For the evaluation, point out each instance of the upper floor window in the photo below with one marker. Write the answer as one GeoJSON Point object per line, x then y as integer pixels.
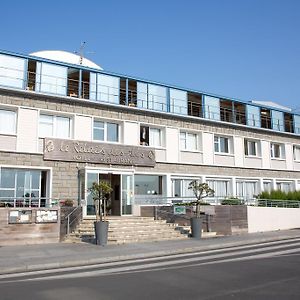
{"type": "Point", "coordinates": [277, 150]}
{"type": "Point", "coordinates": [105, 131]}
{"type": "Point", "coordinates": [12, 71]}
{"type": "Point", "coordinates": [222, 144]}
{"type": "Point", "coordinates": [55, 126]}
{"type": "Point", "coordinates": [188, 141]}
{"type": "Point", "coordinates": [150, 136]}
{"type": "Point", "coordinates": [296, 150]}
{"type": "Point", "coordinates": [251, 148]}
{"type": "Point", "coordinates": [7, 121]}
{"type": "Point", "coordinates": [51, 79]}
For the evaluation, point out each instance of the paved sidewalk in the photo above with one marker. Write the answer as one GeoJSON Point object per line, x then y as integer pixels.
{"type": "Point", "coordinates": [49, 256]}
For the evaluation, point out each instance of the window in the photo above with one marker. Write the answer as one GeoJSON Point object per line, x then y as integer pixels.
{"type": "Point", "coordinates": [7, 122]}
{"type": "Point", "coordinates": [222, 144]}
{"type": "Point", "coordinates": [55, 126]}
{"type": "Point", "coordinates": [106, 131]}
{"type": "Point", "coordinates": [51, 79]}
{"type": "Point", "coordinates": [181, 188]}
{"type": "Point", "coordinates": [221, 187]}
{"type": "Point", "coordinates": [285, 186]}
{"type": "Point", "coordinates": [277, 151]}
{"type": "Point", "coordinates": [267, 185]}
{"type": "Point", "coordinates": [253, 116]}
{"type": "Point", "coordinates": [246, 189]}
{"type": "Point", "coordinates": [251, 148]}
{"type": "Point", "coordinates": [22, 183]}
{"type": "Point", "coordinates": [104, 88]}
{"type": "Point", "coordinates": [188, 141]}
{"type": "Point", "coordinates": [150, 136]}
{"type": "Point", "coordinates": [178, 101]}
{"type": "Point", "coordinates": [277, 120]}
{"type": "Point", "coordinates": [212, 108]}
{"type": "Point", "coordinates": [147, 185]}
{"type": "Point", "coordinates": [296, 150]}
{"type": "Point", "coordinates": [12, 71]}
{"type": "Point", "coordinates": [151, 96]}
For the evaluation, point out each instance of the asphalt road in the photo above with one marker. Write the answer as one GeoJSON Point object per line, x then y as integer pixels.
{"type": "Point", "coordinates": [262, 271]}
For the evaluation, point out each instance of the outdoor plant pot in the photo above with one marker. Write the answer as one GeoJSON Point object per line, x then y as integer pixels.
{"type": "Point", "coordinates": [101, 232]}
{"type": "Point", "coordinates": [196, 227]}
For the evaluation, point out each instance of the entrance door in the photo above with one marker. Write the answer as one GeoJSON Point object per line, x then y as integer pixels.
{"type": "Point", "coordinates": [127, 194]}
{"type": "Point", "coordinates": [121, 198]}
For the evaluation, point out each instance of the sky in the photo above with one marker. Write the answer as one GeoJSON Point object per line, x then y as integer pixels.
{"type": "Point", "coordinates": [242, 49]}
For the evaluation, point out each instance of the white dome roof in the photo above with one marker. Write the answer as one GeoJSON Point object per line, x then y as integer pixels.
{"type": "Point", "coordinates": [66, 57]}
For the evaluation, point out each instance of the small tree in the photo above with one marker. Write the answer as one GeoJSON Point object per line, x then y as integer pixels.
{"type": "Point", "coordinates": [201, 191]}
{"type": "Point", "coordinates": [99, 193]}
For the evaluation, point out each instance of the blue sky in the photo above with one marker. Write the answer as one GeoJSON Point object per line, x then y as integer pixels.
{"type": "Point", "coordinates": [244, 49]}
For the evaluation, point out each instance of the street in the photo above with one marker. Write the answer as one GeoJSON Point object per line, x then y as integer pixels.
{"type": "Point", "coordinates": [269, 270]}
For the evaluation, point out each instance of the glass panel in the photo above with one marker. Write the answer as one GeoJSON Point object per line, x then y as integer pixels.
{"type": "Point", "coordinates": [191, 141]}
{"type": "Point", "coordinates": [93, 86]}
{"type": "Point", "coordinates": [98, 131]}
{"type": "Point", "coordinates": [108, 88]}
{"type": "Point", "coordinates": [157, 97]}
{"type": "Point", "coordinates": [155, 137]}
{"type": "Point", "coordinates": [12, 71]}
{"type": "Point", "coordinates": [177, 188]}
{"type": "Point", "coordinates": [112, 132]}
{"type": "Point", "coordinates": [90, 208]}
{"type": "Point", "coordinates": [7, 178]}
{"type": "Point", "coordinates": [62, 127]}
{"type": "Point", "coordinates": [277, 120]}
{"type": "Point", "coordinates": [46, 125]}
{"type": "Point", "coordinates": [142, 95]}
{"type": "Point", "coordinates": [212, 108]}
{"type": "Point", "coordinates": [253, 116]}
{"type": "Point", "coordinates": [51, 79]}
{"type": "Point", "coordinates": [127, 194]}
{"type": "Point", "coordinates": [21, 184]}
{"type": "Point", "coordinates": [147, 185]}
{"type": "Point", "coordinates": [7, 122]}
{"type": "Point", "coordinates": [297, 124]}
{"type": "Point", "coordinates": [183, 140]}
{"type": "Point", "coordinates": [178, 102]}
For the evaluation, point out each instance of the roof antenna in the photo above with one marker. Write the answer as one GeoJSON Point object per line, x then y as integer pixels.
{"type": "Point", "coordinates": [80, 52]}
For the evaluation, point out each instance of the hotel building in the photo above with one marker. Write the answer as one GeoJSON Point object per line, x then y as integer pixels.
{"type": "Point", "coordinates": [65, 123]}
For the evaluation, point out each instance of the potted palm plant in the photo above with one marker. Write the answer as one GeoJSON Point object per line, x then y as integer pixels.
{"type": "Point", "coordinates": [201, 191]}
{"type": "Point", "coordinates": [100, 193]}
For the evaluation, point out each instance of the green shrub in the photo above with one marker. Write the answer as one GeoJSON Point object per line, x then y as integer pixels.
{"type": "Point", "coordinates": [280, 195]}
{"type": "Point", "coordinates": [232, 201]}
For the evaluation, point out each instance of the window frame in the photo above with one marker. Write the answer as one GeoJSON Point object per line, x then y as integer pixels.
{"type": "Point", "coordinates": [247, 148]}
{"type": "Point", "coordinates": [218, 144]}
{"type": "Point", "coordinates": [186, 135]}
{"type": "Point", "coordinates": [273, 151]}
{"type": "Point", "coordinates": [54, 126]}
{"type": "Point", "coordinates": [105, 129]}
{"type": "Point", "coordinates": [148, 130]}
{"type": "Point", "coordinates": [15, 115]}
{"type": "Point", "coordinates": [296, 157]}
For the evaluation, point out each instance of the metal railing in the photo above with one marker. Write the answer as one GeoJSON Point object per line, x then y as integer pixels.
{"type": "Point", "coordinates": [68, 86]}
{"type": "Point", "coordinates": [28, 202]}
{"type": "Point", "coordinates": [73, 218]}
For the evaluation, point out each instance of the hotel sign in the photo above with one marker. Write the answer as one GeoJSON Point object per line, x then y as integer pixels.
{"type": "Point", "coordinates": [101, 153]}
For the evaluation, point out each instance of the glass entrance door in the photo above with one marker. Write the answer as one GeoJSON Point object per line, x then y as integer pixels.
{"type": "Point", "coordinates": [127, 194]}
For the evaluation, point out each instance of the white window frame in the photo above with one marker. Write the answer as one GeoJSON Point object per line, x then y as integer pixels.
{"type": "Point", "coordinates": [105, 123]}
{"type": "Point", "coordinates": [296, 152]}
{"type": "Point", "coordinates": [14, 131]}
{"type": "Point", "coordinates": [183, 136]}
{"type": "Point", "coordinates": [273, 151]}
{"type": "Point", "coordinates": [218, 143]}
{"type": "Point", "coordinates": [54, 126]}
{"type": "Point", "coordinates": [247, 150]}
{"type": "Point", "coordinates": [151, 129]}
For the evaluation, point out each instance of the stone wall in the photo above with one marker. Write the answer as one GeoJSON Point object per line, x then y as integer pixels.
{"type": "Point", "coordinates": [31, 233]}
